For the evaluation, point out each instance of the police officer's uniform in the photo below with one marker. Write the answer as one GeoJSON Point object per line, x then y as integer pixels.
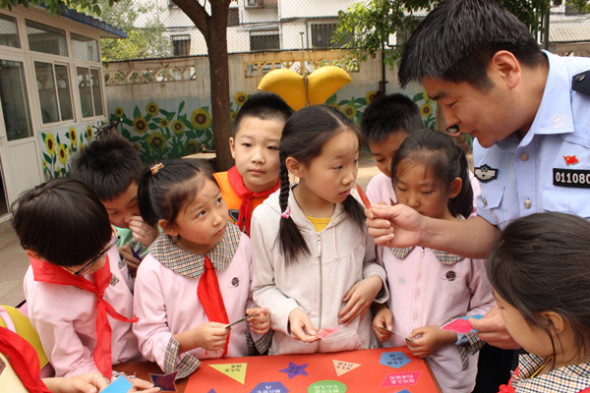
{"type": "Point", "coordinates": [549, 169]}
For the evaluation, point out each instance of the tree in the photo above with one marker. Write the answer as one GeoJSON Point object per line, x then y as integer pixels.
{"type": "Point", "coordinates": [366, 26]}
{"type": "Point", "coordinates": [56, 6]}
{"type": "Point", "coordinates": [145, 42]}
{"type": "Point", "coordinates": [212, 23]}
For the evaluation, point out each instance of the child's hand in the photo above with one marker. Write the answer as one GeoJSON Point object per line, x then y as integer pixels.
{"type": "Point", "coordinates": [383, 320]}
{"type": "Point", "coordinates": [259, 319]}
{"type": "Point", "coordinates": [301, 327]}
{"type": "Point", "coordinates": [127, 255]}
{"type": "Point", "coordinates": [359, 298]}
{"type": "Point", "coordinates": [140, 385]}
{"type": "Point", "coordinates": [432, 338]}
{"type": "Point", "coordinates": [382, 218]}
{"type": "Point", "coordinates": [86, 383]}
{"type": "Point", "coordinates": [142, 232]}
{"type": "Point", "coordinates": [210, 336]}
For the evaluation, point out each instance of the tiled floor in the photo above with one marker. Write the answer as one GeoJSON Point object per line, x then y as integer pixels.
{"type": "Point", "coordinates": [14, 262]}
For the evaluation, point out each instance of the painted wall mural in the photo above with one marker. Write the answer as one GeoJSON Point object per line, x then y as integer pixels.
{"type": "Point", "coordinates": [159, 133]}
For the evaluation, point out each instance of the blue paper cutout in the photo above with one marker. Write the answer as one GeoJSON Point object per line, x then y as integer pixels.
{"type": "Point", "coordinates": [212, 391]}
{"type": "Point", "coordinates": [404, 391]}
{"type": "Point", "coordinates": [394, 359]}
{"type": "Point", "coordinates": [295, 369]}
{"type": "Point", "coordinates": [269, 387]}
{"type": "Point", "coordinates": [119, 385]}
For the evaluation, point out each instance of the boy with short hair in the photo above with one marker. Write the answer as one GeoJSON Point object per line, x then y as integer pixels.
{"type": "Point", "coordinates": [385, 123]}
{"type": "Point", "coordinates": [255, 148]}
{"type": "Point", "coordinates": [74, 283]}
{"type": "Point", "coordinates": [111, 167]}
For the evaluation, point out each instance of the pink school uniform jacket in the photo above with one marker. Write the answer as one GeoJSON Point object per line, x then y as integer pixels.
{"type": "Point", "coordinates": [65, 318]}
{"type": "Point", "coordinates": [430, 288]}
{"type": "Point", "coordinates": [166, 300]}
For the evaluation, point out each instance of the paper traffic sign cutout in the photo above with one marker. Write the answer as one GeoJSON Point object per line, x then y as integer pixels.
{"type": "Point", "coordinates": [295, 369]}
{"type": "Point", "coordinates": [401, 379]}
{"type": "Point", "coordinates": [327, 386]}
{"type": "Point", "coordinates": [461, 324]}
{"type": "Point", "coordinates": [236, 371]}
{"type": "Point", "coordinates": [343, 367]}
{"type": "Point", "coordinates": [394, 359]}
{"type": "Point", "coordinates": [119, 385]}
{"type": "Point", "coordinates": [166, 382]}
{"type": "Point", "coordinates": [270, 387]}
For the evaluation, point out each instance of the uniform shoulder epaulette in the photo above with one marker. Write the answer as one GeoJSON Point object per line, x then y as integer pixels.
{"type": "Point", "coordinates": [581, 82]}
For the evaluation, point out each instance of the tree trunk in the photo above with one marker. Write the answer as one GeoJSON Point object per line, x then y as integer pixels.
{"type": "Point", "coordinates": [214, 28]}
{"type": "Point", "coordinates": [219, 74]}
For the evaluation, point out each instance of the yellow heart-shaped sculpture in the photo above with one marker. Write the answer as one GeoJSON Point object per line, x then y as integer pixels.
{"type": "Point", "coordinates": [291, 86]}
{"type": "Point", "coordinates": [286, 83]}
{"type": "Point", "coordinates": [324, 82]}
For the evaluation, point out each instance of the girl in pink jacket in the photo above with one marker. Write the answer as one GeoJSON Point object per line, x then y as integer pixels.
{"type": "Point", "coordinates": [429, 287]}
{"type": "Point", "coordinates": [195, 281]}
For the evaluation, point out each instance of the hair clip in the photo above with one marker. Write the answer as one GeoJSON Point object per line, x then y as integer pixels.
{"type": "Point", "coordinates": [154, 169]}
{"type": "Point", "coordinates": [287, 213]}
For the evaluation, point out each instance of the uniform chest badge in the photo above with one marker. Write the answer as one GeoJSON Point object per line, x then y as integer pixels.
{"type": "Point", "coordinates": [571, 160]}
{"type": "Point", "coordinates": [485, 173]}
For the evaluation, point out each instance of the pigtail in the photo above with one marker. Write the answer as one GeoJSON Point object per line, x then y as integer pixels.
{"type": "Point", "coordinates": [143, 198]}
{"type": "Point", "coordinates": [463, 202]}
{"type": "Point", "coordinates": [355, 211]}
{"type": "Point", "coordinates": [290, 239]}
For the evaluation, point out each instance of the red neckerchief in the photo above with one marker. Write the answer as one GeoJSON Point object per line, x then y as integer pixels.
{"type": "Point", "coordinates": [53, 274]}
{"type": "Point", "coordinates": [210, 297]}
{"type": "Point", "coordinates": [23, 359]}
{"type": "Point", "coordinates": [237, 183]}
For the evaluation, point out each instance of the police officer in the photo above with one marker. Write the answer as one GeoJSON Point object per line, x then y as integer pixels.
{"type": "Point", "coordinates": [529, 112]}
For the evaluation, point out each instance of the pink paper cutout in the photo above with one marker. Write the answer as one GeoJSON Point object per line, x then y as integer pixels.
{"type": "Point", "coordinates": [401, 379]}
{"type": "Point", "coordinates": [325, 332]}
{"type": "Point", "coordinates": [458, 325]}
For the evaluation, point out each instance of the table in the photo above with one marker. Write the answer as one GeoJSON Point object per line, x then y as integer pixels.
{"type": "Point", "coordinates": [381, 370]}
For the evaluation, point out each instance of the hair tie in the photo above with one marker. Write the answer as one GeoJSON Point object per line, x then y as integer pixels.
{"type": "Point", "coordinates": [154, 169]}
{"type": "Point", "coordinates": [287, 213]}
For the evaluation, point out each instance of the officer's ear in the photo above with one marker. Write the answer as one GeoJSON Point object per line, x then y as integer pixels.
{"type": "Point", "coordinates": [505, 68]}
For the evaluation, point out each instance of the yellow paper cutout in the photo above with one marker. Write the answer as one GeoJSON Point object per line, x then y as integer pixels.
{"type": "Point", "coordinates": [343, 367]}
{"type": "Point", "coordinates": [236, 371]}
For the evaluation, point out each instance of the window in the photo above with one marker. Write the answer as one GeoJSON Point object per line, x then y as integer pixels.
{"type": "Point", "coordinates": [321, 35]}
{"type": "Point", "coordinates": [233, 17]}
{"type": "Point", "coordinates": [90, 91]}
{"type": "Point", "coordinates": [55, 98]}
{"type": "Point", "coordinates": [15, 104]}
{"type": "Point", "coordinates": [46, 39]}
{"type": "Point", "coordinates": [8, 32]}
{"type": "Point", "coordinates": [264, 41]}
{"type": "Point", "coordinates": [84, 47]}
{"type": "Point", "coordinates": [181, 44]}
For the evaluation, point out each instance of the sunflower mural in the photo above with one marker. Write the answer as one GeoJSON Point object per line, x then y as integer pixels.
{"type": "Point", "coordinates": [352, 108]}
{"type": "Point", "coordinates": [59, 147]}
{"type": "Point", "coordinates": [159, 133]}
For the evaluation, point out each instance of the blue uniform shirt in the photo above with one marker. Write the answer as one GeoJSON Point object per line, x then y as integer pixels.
{"type": "Point", "coordinates": [549, 169]}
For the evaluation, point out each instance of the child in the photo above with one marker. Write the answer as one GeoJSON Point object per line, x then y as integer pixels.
{"type": "Point", "coordinates": [310, 247]}
{"type": "Point", "coordinates": [255, 148]}
{"type": "Point", "coordinates": [430, 287]}
{"type": "Point", "coordinates": [385, 124]}
{"type": "Point", "coordinates": [111, 168]}
{"type": "Point", "coordinates": [539, 272]}
{"type": "Point", "coordinates": [74, 282]}
{"type": "Point", "coordinates": [196, 278]}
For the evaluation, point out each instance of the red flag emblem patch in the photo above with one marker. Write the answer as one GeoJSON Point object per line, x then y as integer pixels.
{"type": "Point", "coordinates": [571, 160]}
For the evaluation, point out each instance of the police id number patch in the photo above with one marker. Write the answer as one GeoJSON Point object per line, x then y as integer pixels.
{"type": "Point", "coordinates": [578, 178]}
